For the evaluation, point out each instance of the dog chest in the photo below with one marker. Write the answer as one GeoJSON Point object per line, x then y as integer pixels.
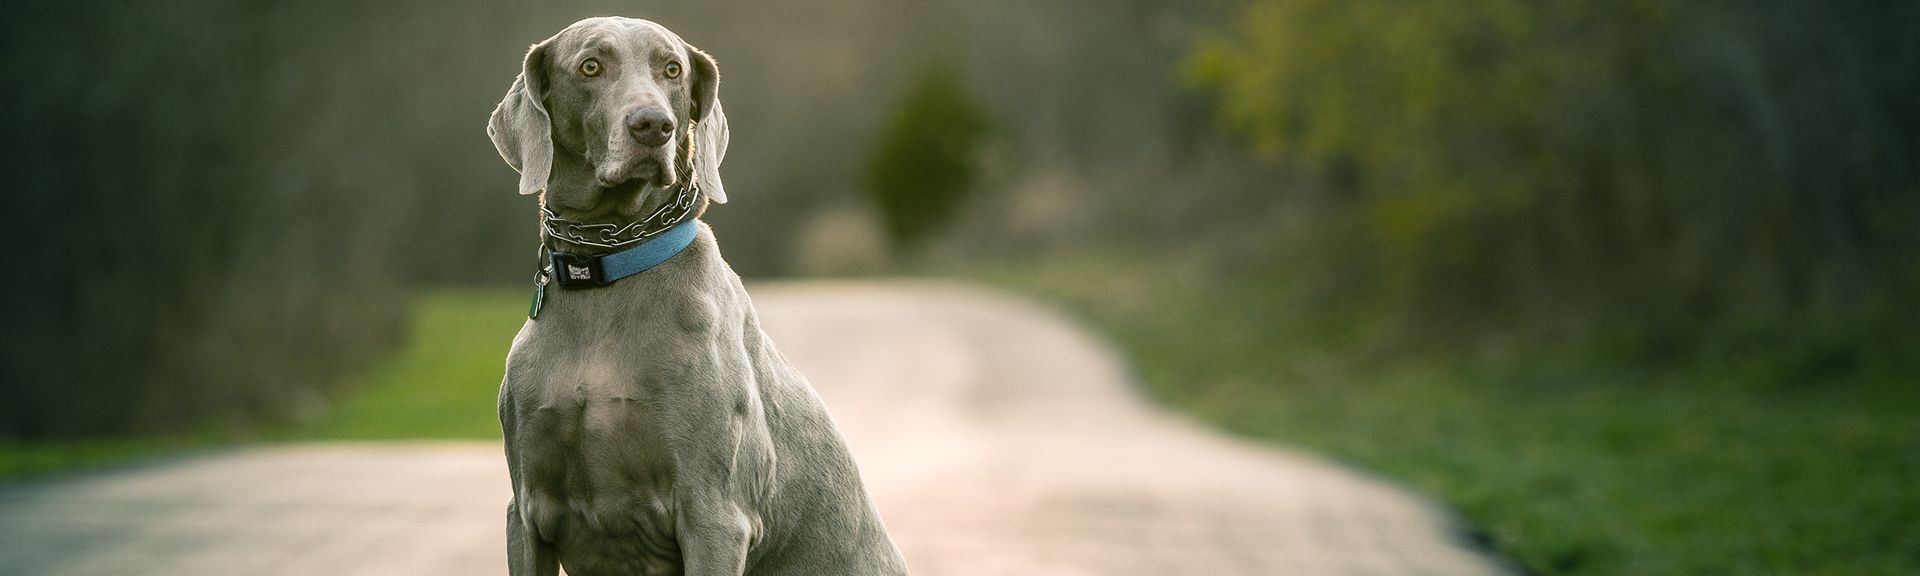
{"type": "Point", "coordinates": [596, 471]}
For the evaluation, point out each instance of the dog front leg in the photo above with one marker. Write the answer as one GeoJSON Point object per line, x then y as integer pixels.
{"type": "Point", "coordinates": [713, 541]}
{"type": "Point", "coordinates": [527, 555]}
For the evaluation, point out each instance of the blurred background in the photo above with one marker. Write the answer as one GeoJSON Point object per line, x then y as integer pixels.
{"type": "Point", "coordinates": [1634, 285]}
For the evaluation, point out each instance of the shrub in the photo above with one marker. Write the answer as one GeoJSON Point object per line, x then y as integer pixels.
{"type": "Point", "coordinates": [925, 162]}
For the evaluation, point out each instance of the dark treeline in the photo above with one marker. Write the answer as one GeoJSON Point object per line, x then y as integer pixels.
{"type": "Point", "coordinates": [201, 208]}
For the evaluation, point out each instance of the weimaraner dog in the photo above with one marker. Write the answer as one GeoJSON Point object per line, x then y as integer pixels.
{"type": "Point", "coordinates": [651, 427]}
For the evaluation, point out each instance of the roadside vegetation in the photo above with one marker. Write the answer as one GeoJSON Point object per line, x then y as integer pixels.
{"type": "Point", "coordinates": [1568, 466]}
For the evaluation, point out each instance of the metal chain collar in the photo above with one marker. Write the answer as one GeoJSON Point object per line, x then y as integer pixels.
{"type": "Point", "coordinates": [617, 235]}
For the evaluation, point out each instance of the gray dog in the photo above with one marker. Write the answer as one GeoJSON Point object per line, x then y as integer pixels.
{"type": "Point", "coordinates": [651, 427]}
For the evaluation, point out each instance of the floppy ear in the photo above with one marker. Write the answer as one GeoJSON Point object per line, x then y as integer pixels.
{"type": "Point", "coordinates": [520, 127]}
{"type": "Point", "coordinates": [710, 138]}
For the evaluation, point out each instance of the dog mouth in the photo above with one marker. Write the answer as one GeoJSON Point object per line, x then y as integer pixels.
{"type": "Point", "coordinates": [625, 190]}
{"type": "Point", "coordinates": [650, 169]}
{"type": "Point", "coordinates": [647, 172]}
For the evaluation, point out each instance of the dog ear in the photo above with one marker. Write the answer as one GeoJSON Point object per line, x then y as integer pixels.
{"type": "Point", "coordinates": [520, 127]}
{"type": "Point", "coordinates": [710, 138]}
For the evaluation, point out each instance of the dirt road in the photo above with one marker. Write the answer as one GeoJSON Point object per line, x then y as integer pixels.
{"type": "Point", "coordinates": [997, 438]}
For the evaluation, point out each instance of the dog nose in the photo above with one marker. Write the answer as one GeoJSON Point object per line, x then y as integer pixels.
{"type": "Point", "coordinates": [650, 125]}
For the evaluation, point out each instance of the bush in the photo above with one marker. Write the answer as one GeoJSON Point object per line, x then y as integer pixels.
{"type": "Point", "coordinates": [925, 162]}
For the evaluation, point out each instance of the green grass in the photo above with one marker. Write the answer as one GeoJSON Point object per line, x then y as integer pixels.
{"type": "Point", "coordinates": [443, 383]}
{"type": "Point", "coordinates": [1569, 471]}
{"type": "Point", "coordinates": [21, 459]}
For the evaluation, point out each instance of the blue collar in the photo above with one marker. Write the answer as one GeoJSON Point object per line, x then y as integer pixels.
{"type": "Point", "coordinates": [575, 271]}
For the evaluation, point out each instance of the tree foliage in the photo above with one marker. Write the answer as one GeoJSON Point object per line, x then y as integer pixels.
{"type": "Point", "coordinates": [1664, 179]}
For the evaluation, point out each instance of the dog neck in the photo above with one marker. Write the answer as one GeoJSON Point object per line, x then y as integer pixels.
{"type": "Point", "coordinates": [617, 217]}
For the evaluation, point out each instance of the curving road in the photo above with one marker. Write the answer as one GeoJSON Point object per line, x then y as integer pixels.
{"type": "Point", "coordinates": [997, 438]}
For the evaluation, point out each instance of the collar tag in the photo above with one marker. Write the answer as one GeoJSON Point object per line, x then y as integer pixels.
{"type": "Point", "coordinates": [539, 297]}
{"type": "Point", "coordinates": [540, 280]}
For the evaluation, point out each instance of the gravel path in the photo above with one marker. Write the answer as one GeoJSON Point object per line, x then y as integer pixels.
{"type": "Point", "coordinates": [996, 436]}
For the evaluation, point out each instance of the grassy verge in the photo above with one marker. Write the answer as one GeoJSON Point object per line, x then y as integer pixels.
{"type": "Point", "coordinates": [1605, 472]}
{"type": "Point", "coordinates": [22, 459]}
{"type": "Point", "coordinates": [444, 382]}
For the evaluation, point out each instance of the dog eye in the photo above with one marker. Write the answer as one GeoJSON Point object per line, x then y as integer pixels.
{"type": "Point", "coordinates": [673, 70]}
{"type": "Point", "coordinates": [590, 67]}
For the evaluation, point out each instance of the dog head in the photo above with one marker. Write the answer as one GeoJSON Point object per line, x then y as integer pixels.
{"type": "Point", "coordinates": [624, 102]}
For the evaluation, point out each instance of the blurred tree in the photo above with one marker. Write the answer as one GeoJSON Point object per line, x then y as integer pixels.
{"type": "Point", "coordinates": [1691, 180]}
{"type": "Point", "coordinates": [925, 161]}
